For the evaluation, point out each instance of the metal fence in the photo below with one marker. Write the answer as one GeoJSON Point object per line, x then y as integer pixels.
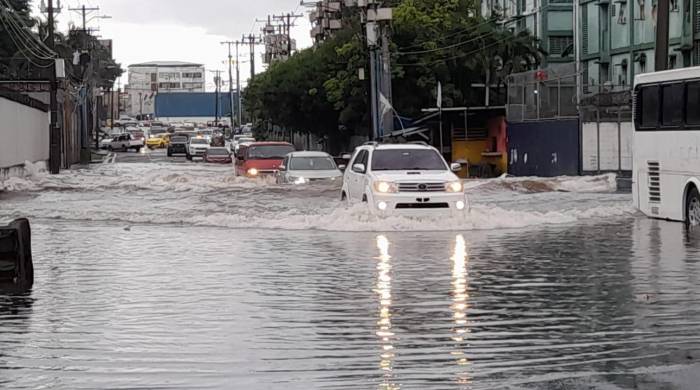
{"type": "Point", "coordinates": [548, 93]}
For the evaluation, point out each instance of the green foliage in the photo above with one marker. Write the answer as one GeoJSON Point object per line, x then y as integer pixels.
{"type": "Point", "coordinates": [318, 90]}
{"type": "Point", "coordinates": [103, 70]}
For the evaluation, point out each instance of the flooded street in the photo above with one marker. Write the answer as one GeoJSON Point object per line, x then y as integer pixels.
{"type": "Point", "coordinates": [162, 275]}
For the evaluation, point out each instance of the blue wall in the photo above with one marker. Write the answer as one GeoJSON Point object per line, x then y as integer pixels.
{"type": "Point", "coordinates": [192, 104]}
{"type": "Point", "coordinates": [544, 148]}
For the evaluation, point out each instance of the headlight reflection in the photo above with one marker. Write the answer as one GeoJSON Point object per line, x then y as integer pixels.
{"type": "Point", "coordinates": [460, 305]}
{"type": "Point", "coordinates": [384, 333]}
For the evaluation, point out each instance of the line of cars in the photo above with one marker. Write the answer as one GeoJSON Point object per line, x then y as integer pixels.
{"type": "Point", "coordinates": [411, 179]}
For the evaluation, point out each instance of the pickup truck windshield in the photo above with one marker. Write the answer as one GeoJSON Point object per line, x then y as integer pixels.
{"type": "Point", "coordinates": [199, 141]}
{"type": "Point", "coordinates": [269, 152]}
{"type": "Point", "coordinates": [179, 140]}
{"type": "Point", "coordinates": [407, 160]}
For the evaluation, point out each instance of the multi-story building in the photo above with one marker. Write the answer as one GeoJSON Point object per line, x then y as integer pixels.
{"type": "Point", "coordinates": [551, 21]}
{"type": "Point", "coordinates": [146, 80]}
{"type": "Point", "coordinates": [617, 40]}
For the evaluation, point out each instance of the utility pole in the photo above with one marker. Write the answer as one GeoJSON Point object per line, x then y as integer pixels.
{"type": "Point", "coordinates": [661, 51]}
{"type": "Point", "coordinates": [252, 40]}
{"type": "Point", "coordinates": [85, 11]}
{"type": "Point", "coordinates": [54, 133]}
{"type": "Point", "coordinates": [286, 29]}
{"type": "Point", "coordinates": [376, 24]}
{"type": "Point", "coordinates": [230, 78]}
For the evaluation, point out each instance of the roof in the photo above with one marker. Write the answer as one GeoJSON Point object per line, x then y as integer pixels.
{"type": "Point", "coordinates": [166, 64]}
{"type": "Point", "coordinates": [263, 143]}
{"type": "Point", "coordinates": [398, 146]}
{"type": "Point", "coordinates": [309, 154]}
{"type": "Point", "coordinates": [668, 75]}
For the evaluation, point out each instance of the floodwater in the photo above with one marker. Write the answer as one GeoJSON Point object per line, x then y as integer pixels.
{"type": "Point", "coordinates": [158, 276]}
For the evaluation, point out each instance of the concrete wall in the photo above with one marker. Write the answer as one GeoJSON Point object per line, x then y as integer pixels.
{"type": "Point", "coordinates": [614, 143]}
{"type": "Point", "coordinates": [24, 134]}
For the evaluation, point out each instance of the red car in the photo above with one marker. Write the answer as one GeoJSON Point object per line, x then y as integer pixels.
{"type": "Point", "coordinates": [262, 158]}
{"type": "Point", "coordinates": [218, 156]}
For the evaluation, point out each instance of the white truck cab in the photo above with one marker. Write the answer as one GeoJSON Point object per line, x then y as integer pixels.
{"type": "Point", "coordinates": [408, 179]}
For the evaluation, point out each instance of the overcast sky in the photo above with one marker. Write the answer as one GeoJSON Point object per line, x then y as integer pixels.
{"type": "Point", "coordinates": [184, 30]}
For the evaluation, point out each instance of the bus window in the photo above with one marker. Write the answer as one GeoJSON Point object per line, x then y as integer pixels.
{"type": "Point", "coordinates": [650, 106]}
{"type": "Point", "coordinates": [692, 104]}
{"type": "Point", "coordinates": [672, 109]}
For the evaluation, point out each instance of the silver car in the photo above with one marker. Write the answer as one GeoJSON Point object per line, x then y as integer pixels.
{"type": "Point", "coordinates": [308, 167]}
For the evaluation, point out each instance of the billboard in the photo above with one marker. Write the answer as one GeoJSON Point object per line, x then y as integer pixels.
{"type": "Point", "coordinates": [188, 104]}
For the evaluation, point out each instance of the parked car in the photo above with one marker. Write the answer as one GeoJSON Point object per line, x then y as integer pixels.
{"type": "Point", "coordinates": [178, 145]}
{"type": "Point", "coordinates": [262, 158]}
{"type": "Point", "coordinates": [158, 141]}
{"type": "Point", "coordinates": [197, 147]}
{"type": "Point", "coordinates": [403, 178]}
{"type": "Point", "coordinates": [217, 155]}
{"type": "Point", "coordinates": [308, 167]}
{"type": "Point", "coordinates": [125, 142]}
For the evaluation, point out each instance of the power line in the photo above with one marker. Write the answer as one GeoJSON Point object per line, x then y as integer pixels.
{"type": "Point", "coordinates": [462, 31]}
{"type": "Point", "coordinates": [20, 35]}
{"type": "Point", "coordinates": [456, 56]}
{"type": "Point", "coordinates": [455, 45]}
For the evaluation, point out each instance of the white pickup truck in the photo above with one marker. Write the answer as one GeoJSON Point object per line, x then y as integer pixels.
{"type": "Point", "coordinates": [125, 142]}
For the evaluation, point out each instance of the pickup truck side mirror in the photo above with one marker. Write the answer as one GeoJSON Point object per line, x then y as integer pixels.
{"type": "Point", "coordinates": [342, 167]}
{"type": "Point", "coordinates": [281, 167]}
{"type": "Point", "coordinates": [456, 167]}
{"type": "Point", "coordinates": [359, 168]}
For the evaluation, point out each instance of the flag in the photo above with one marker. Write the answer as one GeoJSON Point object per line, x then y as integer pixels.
{"type": "Point", "coordinates": [385, 104]}
{"type": "Point", "coordinates": [439, 95]}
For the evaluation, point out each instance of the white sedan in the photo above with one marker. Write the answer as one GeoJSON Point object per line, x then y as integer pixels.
{"type": "Point", "coordinates": [308, 167]}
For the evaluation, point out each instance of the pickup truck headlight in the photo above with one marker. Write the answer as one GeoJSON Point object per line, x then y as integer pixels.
{"type": "Point", "coordinates": [297, 180]}
{"type": "Point", "coordinates": [454, 186]}
{"type": "Point", "coordinates": [385, 187]}
{"type": "Point", "coordinates": [252, 172]}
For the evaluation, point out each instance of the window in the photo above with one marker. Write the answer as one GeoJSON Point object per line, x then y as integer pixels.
{"type": "Point", "coordinates": [612, 10]}
{"type": "Point", "coordinates": [154, 77]}
{"type": "Point", "coordinates": [311, 164]}
{"type": "Point", "coordinates": [557, 45]}
{"type": "Point", "coordinates": [650, 106]}
{"type": "Point", "coordinates": [407, 160]}
{"type": "Point", "coordinates": [169, 85]}
{"type": "Point", "coordinates": [692, 103]}
{"type": "Point", "coordinates": [672, 105]}
{"type": "Point", "coordinates": [192, 75]}
{"type": "Point", "coordinates": [362, 159]}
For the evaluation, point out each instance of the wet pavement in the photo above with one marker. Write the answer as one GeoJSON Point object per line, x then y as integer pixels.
{"type": "Point", "coordinates": [163, 275]}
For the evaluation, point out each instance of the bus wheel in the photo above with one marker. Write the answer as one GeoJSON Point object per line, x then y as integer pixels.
{"type": "Point", "coordinates": [692, 208]}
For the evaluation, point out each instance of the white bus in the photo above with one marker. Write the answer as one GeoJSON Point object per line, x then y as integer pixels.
{"type": "Point", "coordinates": [666, 172]}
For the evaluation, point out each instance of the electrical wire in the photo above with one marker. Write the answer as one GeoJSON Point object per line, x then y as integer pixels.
{"type": "Point", "coordinates": [23, 30]}
{"type": "Point", "coordinates": [23, 50]}
{"type": "Point", "coordinates": [455, 57]}
{"type": "Point", "coordinates": [455, 45]}
{"type": "Point", "coordinates": [464, 30]}
{"type": "Point", "coordinates": [29, 41]}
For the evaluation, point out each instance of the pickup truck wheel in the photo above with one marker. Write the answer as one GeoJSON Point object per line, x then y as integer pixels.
{"type": "Point", "coordinates": [138, 149]}
{"type": "Point", "coordinates": [364, 198]}
{"type": "Point", "coordinates": [170, 154]}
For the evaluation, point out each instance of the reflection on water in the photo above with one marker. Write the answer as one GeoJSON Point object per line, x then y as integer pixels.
{"type": "Point", "coordinates": [384, 332]}
{"type": "Point", "coordinates": [612, 306]}
{"type": "Point", "coordinates": [460, 298]}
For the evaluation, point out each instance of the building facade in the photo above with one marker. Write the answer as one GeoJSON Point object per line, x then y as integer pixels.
{"type": "Point", "coordinates": [551, 21]}
{"type": "Point", "coordinates": [617, 40]}
{"type": "Point", "coordinates": [146, 80]}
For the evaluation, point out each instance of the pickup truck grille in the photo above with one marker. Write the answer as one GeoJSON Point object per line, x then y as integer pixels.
{"type": "Point", "coordinates": [421, 187]}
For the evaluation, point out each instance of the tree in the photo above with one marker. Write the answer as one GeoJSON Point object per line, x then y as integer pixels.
{"type": "Point", "coordinates": [319, 91]}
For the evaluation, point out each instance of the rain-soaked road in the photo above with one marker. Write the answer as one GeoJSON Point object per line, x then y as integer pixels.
{"type": "Point", "coordinates": [163, 275]}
